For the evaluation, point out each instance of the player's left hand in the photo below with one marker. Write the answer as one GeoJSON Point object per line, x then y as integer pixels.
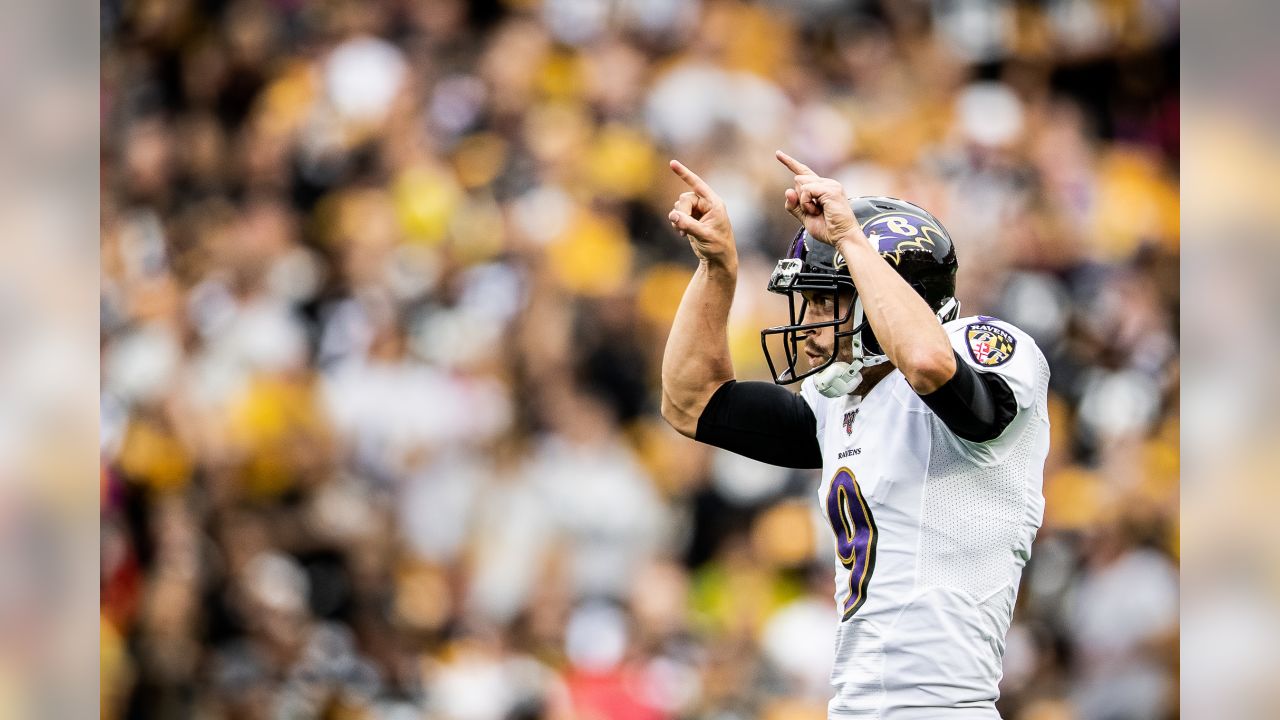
{"type": "Point", "coordinates": [819, 203]}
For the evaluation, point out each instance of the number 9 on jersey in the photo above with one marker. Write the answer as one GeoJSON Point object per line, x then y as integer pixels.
{"type": "Point", "coordinates": [855, 532]}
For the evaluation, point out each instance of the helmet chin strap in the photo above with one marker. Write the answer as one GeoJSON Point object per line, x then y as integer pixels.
{"type": "Point", "coordinates": [842, 378]}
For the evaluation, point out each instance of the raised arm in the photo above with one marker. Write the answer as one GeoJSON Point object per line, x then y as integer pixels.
{"type": "Point", "coordinates": [696, 361]}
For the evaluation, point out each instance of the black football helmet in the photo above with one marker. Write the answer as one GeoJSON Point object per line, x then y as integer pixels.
{"type": "Point", "coordinates": [910, 239]}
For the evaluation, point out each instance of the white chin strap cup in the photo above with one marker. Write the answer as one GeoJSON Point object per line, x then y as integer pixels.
{"type": "Point", "coordinates": [839, 378]}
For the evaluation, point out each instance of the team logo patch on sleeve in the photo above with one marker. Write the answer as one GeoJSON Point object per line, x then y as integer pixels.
{"type": "Point", "coordinates": [989, 345]}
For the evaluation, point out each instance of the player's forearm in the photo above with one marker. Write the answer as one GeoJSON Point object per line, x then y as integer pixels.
{"type": "Point", "coordinates": [696, 360]}
{"type": "Point", "coordinates": [905, 327]}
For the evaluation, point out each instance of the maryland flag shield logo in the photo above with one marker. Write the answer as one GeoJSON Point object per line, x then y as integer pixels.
{"type": "Point", "coordinates": [989, 345]}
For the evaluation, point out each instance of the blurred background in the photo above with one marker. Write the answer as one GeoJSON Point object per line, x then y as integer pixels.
{"type": "Point", "coordinates": [385, 287]}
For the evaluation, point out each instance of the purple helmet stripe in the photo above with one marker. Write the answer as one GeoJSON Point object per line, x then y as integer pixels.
{"type": "Point", "coordinates": [797, 246]}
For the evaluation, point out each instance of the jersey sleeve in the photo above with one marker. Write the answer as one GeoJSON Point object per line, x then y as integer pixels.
{"type": "Point", "coordinates": [992, 347]}
{"type": "Point", "coordinates": [977, 406]}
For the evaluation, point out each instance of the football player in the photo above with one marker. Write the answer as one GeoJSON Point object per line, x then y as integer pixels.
{"type": "Point", "coordinates": [931, 433]}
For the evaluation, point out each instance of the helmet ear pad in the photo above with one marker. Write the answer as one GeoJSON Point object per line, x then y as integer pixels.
{"type": "Point", "coordinates": [870, 345]}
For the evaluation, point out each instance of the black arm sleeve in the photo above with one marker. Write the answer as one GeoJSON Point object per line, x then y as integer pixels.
{"type": "Point", "coordinates": [762, 421]}
{"type": "Point", "coordinates": [975, 405]}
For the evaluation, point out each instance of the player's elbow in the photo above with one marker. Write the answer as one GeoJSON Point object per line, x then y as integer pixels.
{"type": "Point", "coordinates": [679, 414]}
{"type": "Point", "coordinates": [929, 368]}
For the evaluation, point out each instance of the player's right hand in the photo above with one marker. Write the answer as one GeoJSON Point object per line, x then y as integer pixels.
{"type": "Point", "coordinates": [700, 216]}
{"type": "Point", "coordinates": [819, 203]}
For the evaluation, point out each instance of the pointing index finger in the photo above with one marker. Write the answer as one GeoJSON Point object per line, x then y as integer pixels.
{"type": "Point", "coordinates": [693, 181]}
{"type": "Point", "coordinates": [793, 164]}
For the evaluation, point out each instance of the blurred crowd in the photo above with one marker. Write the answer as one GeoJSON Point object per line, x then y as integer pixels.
{"type": "Point", "coordinates": [385, 289]}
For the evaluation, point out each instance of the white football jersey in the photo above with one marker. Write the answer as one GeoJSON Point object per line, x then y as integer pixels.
{"type": "Point", "coordinates": [931, 534]}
